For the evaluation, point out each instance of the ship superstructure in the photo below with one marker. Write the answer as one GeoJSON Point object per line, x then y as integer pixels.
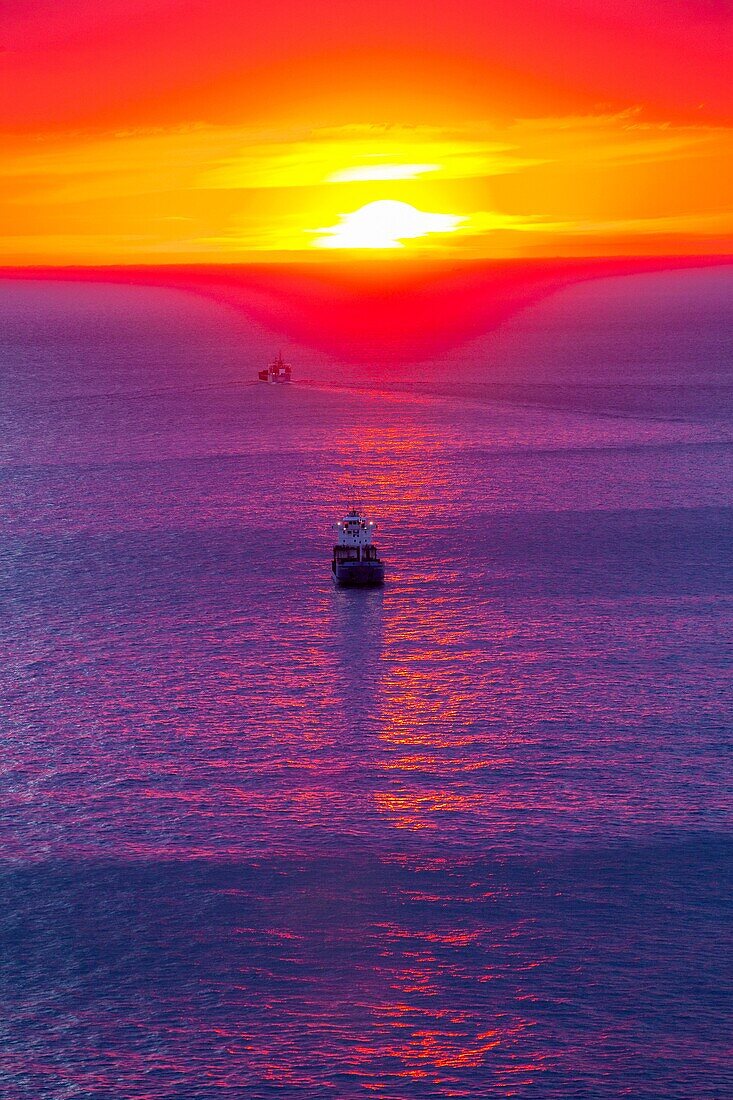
{"type": "Point", "coordinates": [356, 562]}
{"type": "Point", "coordinates": [278, 371]}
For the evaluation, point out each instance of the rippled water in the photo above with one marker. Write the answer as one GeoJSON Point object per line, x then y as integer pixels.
{"type": "Point", "coordinates": [465, 837]}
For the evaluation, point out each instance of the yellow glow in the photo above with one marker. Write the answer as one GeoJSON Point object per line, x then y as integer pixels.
{"type": "Point", "coordinates": [349, 154]}
{"type": "Point", "coordinates": [385, 224]}
{"type": "Point", "coordinates": [586, 185]}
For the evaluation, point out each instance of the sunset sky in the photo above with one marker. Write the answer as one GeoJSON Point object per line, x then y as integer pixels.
{"type": "Point", "coordinates": [170, 131]}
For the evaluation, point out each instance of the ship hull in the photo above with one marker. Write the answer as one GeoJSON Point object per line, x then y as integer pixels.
{"type": "Point", "coordinates": [358, 574]}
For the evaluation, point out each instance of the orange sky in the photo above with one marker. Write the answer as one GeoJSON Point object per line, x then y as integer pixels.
{"type": "Point", "coordinates": [164, 131]}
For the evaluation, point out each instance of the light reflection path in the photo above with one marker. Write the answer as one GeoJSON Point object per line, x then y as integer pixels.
{"type": "Point", "coordinates": [405, 678]}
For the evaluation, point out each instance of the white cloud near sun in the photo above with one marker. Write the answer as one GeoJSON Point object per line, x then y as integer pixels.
{"type": "Point", "coordinates": [377, 171]}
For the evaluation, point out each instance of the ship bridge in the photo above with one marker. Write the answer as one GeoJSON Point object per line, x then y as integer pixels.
{"type": "Point", "coordinates": [354, 530]}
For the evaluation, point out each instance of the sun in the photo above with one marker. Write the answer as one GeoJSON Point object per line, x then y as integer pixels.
{"type": "Point", "coordinates": [385, 223]}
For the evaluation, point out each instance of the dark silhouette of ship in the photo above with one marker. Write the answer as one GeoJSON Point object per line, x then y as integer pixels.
{"type": "Point", "coordinates": [278, 371]}
{"type": "Point", "coordinates": [356, 563]}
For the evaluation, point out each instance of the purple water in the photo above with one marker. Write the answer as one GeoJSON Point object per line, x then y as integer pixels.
{"type": "Point", "coordinates": [466, 837]}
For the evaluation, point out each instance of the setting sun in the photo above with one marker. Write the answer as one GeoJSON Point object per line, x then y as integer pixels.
{"type": "Point", "coordinates": [385, 223]}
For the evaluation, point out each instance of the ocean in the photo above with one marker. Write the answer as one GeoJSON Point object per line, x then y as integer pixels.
{"type": "Point", "coordinates": [465, 836]}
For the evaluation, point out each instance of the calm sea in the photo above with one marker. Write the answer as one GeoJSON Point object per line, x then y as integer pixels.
{"type": "Point", "coordinates": [468, 836]}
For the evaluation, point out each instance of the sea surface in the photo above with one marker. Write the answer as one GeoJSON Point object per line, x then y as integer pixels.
{"type": "Point", "coordinates": [468, 836]}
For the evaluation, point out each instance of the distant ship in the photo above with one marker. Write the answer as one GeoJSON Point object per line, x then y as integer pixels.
{"type": "Point", "coordinates": [278, 371]}
{"type": "Point", "coordinates": [356, 563]}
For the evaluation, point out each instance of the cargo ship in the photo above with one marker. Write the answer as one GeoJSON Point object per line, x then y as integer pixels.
{"type": "Point", "coordinates": [356, 563]}
{"type": "Point", "coordinates": [278, 371]}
